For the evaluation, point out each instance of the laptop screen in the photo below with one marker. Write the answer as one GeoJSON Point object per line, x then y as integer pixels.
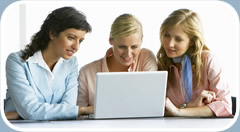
{"type": "Point", "coordinates": [130, 94]}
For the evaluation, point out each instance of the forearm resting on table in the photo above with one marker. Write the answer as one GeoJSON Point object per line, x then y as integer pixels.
{"type": "Point", "coordinates": [12, 115]}
{"type": "Point", "coordinates": [85, 110]}
{"type": "Point", "coordinates": [202, 111]}
{"type": "Point", "coordinates": [82, 111]}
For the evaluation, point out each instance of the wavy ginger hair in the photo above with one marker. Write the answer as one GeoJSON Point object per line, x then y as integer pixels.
{"type": "Point", "coordinates": [191, 25]}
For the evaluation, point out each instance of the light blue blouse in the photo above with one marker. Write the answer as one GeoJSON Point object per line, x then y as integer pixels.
{"type": "Point", "coordinates": [36, 93]}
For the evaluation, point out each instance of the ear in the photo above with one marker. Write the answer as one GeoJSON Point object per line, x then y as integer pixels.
{"type": "Point", "coordinates": [191, 43]}
{"type": "Point", "coordinates": [51, 35]}
{"type": "Point", "coordinates": [111, 41]}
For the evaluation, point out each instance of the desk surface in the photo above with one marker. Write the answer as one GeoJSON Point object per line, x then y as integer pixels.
{"type": "Point", "coordinates": [166, 122]}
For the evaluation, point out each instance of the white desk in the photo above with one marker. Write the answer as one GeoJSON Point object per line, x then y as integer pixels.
{"type": "Point", "coordinates": [141, 123]}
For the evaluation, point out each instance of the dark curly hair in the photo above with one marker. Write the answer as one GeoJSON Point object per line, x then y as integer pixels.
{"type": "Point", "coordinates": [56, 22]}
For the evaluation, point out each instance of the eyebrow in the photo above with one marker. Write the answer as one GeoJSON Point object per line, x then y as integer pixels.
{"type": "Point", "coordinates": [74, 35]}
{"type": "Point", "coordinates": [178, 36]}
{"type": "Point", "coordinates": [127, 46]}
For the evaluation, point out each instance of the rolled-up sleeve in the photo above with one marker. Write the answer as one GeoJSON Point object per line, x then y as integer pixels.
{"type": "Point", "coordinates": [222, 106]}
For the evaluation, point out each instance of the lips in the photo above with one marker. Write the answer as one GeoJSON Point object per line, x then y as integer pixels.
{"type": "Point", "coordinates": [70, 52]}
{"type": "Point", "coordinates": [171, 50]}
{"type": "Point", "coordinates": [126, 59]}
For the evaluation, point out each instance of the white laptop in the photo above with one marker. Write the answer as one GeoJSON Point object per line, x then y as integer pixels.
{"type": "Point", "coordinates": [130, 94]}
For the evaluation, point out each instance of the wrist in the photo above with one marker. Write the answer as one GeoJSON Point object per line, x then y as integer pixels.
{"type": "Point", "coordinates": [178, 112]}
{"type": "Point", "coordinates": [81, 111]}
{"type": "Point", "coordinates": [182, 106]}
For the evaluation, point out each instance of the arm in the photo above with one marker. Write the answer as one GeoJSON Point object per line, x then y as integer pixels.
{"type": "Point", "coordinates": [205, 98]}
{"type": "Point", "coordinates": [82, 111]}
{"type": "Point", "coordinates": [218, 100]}
{"type": "Point", "coordinates": [70, 95]}
{"type": "Point", "coordinates": [24, 95]}
{"type": "Point", "coordinates": [12, 115]}
{"type": "Point", "coordinates": [201, 111]}
{"type": "Point", "coordinates": [85, 110]}
{"type": "Point", "coordinates": [218, 84]}
{"type": "Point", "coordinates": [83, 98]}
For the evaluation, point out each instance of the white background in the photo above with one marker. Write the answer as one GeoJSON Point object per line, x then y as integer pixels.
{"type": "Point", "coordinates": [220, 22]}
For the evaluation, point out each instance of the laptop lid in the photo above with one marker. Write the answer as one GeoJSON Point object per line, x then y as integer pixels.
{"type": "Point", "coordinates": [130, 94]}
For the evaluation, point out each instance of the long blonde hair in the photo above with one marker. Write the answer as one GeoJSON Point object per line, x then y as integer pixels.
{"type": "Point", "coordinates": [191, 25]}
{"type": "Point", "coordinates": [125, 25]}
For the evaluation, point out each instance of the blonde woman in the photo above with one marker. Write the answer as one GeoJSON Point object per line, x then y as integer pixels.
{"type": "Point", "coordinates": [195, 83]}
{"type": "Point", "coordinates": [125, 55]}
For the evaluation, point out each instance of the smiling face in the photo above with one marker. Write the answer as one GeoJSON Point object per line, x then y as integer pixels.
{"type": "Point", "coordinates": [126, 49]}
{"type": "Point", "coordinates": [66, 43]}
{"type": "Point", "coordinates": [175, 42]}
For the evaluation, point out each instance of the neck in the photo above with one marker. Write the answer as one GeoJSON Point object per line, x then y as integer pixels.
{"type": "Point", "coordinates": [177, 62]}
{"type": "Point", "coordinates": [177, 59]}
{"type": "Point", "coordinates": [50, 58]}
{"type": "Point", "coordinates": [115, 66]}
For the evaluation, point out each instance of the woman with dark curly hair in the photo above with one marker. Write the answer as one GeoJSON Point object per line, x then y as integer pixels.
{"type": "Point", "coordinates": [42, 79]}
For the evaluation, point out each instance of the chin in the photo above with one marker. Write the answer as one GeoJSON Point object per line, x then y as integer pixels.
{"type": "Point", "coordinates": [66, 57]}
{"type": "Point", "coordinates": [127, 63]}
{"type": "Point", "coordinates": [171, 56]}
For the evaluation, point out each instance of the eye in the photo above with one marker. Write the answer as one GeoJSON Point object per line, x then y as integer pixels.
{"type": "Point", "coordinates": [80, 41]}
{"type": "Point", "coordinates": [166, 35]}
{"type": "Point", "coordinates": [177, 39]}
{"type": "Point", "coordinates": [134, 46]}
{"type": "Point", "coordinates": [121, 46]}
{"type": "Point", "coordinates": [71, 38]}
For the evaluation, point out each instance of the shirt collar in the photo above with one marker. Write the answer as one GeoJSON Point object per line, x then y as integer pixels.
{"type": "Point", "coordinates": [38, 59]}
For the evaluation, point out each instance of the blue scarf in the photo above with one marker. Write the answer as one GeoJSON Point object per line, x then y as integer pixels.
{"type": "Point", "coordinates": [186, 75]}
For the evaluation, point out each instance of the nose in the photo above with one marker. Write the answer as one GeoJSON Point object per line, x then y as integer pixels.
{"type": "Point", "coordinates": [171, 43]}
{"type": "Point", "coordinates": [75, 46]}
{"type": "Point", "coordinates": [129, 52]}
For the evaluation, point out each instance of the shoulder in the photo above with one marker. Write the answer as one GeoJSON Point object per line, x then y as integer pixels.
{"type": "Point", "coordinates": [145, 51]}
{"type": "Point", "coordinates": [72, 60]}
{"type": "Point", "coordinates": [88, 72]}
{"type": "Point", "coordinates": [211, 62]}
{"type": "Point", "coordinates": [146, 60]}
{"type": "Point", "coordinates": [15, 63]}
{"type": "Point", "coordinates": [92, 66]}
{"type": "Point", "coordinates": [209, 56]}
{"type": "Point", "coordinates": [15, 57]}
{"type": "Point", "coordinates": [206, 54]}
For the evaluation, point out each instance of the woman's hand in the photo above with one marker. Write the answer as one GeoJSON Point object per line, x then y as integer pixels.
{"type": "Point", "coordinates": [203, 99]}
{"type": "Point", "coordinates": [198, 111]}
{"type": "Point", "coordinates": [170, 108]}
{"type": "Point", "coordinates": [86, 110]}
{"type": "Point", "coordinates": [12, 115]}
